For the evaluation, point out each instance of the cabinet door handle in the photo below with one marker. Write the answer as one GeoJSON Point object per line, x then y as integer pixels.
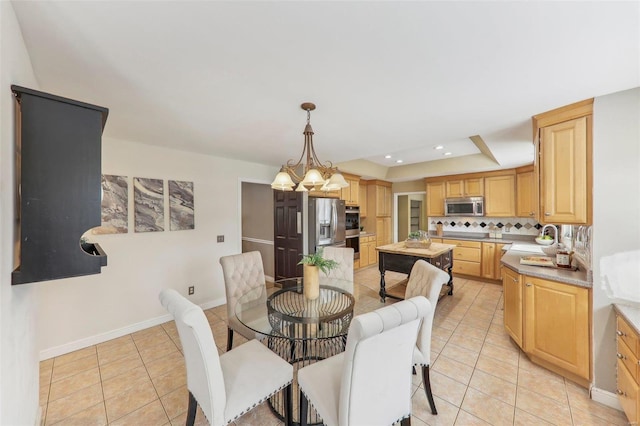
{"type": "Point", "coordinates": [619, 392]}
{"type": "Point", "coordinates": [620, 356]}
{"type": "Point", "coordinates": [531, 213]}
{"type": "Point", "coordinates": [514, 280]}
{"type": "Point", "coordinates": [547, 214]}
{"type": "Point", "coordinates": [619, 333]}
{"type": "Point", "coordinates": [528, 284]}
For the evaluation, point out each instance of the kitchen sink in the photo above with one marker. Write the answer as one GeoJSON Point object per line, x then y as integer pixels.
{"type": "Point", "coordinates": [527, 248]}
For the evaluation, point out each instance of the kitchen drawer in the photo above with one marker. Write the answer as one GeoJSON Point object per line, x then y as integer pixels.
{"type": "Point", "coordinates": [464, 243]}
{"type": "Point", "coordinates": [467, 268]}
{"type": "Point", "coordinates": [628, 335]}
{"type": "Point", "coordinates": [468, 254]}
{"type": "Point", "coordinates": [627, 357]}
{"type": "Point", "coordinates": [627, 393]}
{"type": "Point", "coordinates": [437, 240]}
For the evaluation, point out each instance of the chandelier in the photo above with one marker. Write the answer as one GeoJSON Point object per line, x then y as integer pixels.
{"type": "Point", "coordinates": [312, 174]}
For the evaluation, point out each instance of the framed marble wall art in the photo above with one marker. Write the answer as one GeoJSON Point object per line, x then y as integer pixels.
{"type": "Point", "coordinates": [148, 198]}
{"type": "Point", "coordinates": [180, 205]}
{"type": "Point", "coordinates": [114, 205]}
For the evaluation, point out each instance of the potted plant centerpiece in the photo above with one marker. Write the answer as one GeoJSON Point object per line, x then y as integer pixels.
{"type": "Point", "coordinates": [313, 264]}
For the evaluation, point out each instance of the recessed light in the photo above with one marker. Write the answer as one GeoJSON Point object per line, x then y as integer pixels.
{"type": "Point", "coordinates": [438, 147]}
{"type": "Point", "coordinates": [398, 161]}
{"type": "Point", "coordinates": [447, 153]}
{"type": "Point", "coordinates": [387, 156]}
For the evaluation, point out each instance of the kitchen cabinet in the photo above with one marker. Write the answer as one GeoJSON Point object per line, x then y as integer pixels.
{"type": "Point", "coordinates": [368, 255]}
{"type": "Point", "coordinates": [435, 199]}
{"type": "Point", "coordinates": [497, 267]}
{"type": "Point", "coordinates": [513, 305]}
{"type": "Point", "coordinates": [472, 187]}
{"type": "Point", "coordinates": [362, 198]}
{"type": "Point", "coordinates": [499, 196]}
{"type": "Point", "coordinates": [351, 194]}
{"type": "Point", "coordinates": [526, 197]}
{"type": "Point", "coordinates": [564, 170]}
{"type": "Point", "coordinates": [379, 198]}
{"type": "Point", "coordinates": [488, 260]}
{"type": "Point", "coordinates": [628, 353]}
{"type": "Point", "coordinates": [550, 321]}
{"type": "Point", "coordinates": [383, 231]}
{"type": "Point", "coordinates": [466, 257]}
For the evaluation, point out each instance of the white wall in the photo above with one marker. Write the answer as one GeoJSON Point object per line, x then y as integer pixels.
{"type": "Point", "coordinates": [19, 372]}
{"type": "Point", "coordinates": [80, 311]}
{"type": "Point", "coordinates": [616, 211]}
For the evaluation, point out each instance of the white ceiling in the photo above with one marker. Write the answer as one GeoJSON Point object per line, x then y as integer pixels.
{"type": "Point", "coordinates": [398, 78]}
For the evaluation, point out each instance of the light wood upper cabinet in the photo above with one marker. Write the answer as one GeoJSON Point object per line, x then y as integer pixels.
{"type": "Point", "coordinates": [351, 194]}
{"type": "Point", "coordinates": [500, 196]}
{"type": "Point", "coordinates": [557, 324]}
{"type": "Point", "coordinates": [526, 201]}
{"type": "Point", "coordinates": [513, 305]}
{"type": "Point", "coordinates": [564, 171]}
{"type": "Point", "coordinates": [435, 199]}
{"type": "Point", "coordinates": [473, 187]}
{"type": "Point", "coordinates": [362, 198]}
{"type": "Point", "coordinates": [379, 198]}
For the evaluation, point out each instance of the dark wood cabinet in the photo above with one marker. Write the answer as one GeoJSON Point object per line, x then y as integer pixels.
{"type": "Point", "coordinates": [58, 170]}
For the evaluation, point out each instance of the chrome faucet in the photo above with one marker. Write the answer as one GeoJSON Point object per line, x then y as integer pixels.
{"type": "Point", "coordinates": [555, 229]}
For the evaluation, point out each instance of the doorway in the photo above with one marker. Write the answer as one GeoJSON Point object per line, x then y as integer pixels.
{"type": "Point", "coordinates": [257, 223]}
{"type": "Point", "coordinates": [410, 214]}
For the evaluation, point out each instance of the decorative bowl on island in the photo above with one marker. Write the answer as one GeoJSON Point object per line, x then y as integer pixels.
{"type": "Point", "coordinates": [544, 242]}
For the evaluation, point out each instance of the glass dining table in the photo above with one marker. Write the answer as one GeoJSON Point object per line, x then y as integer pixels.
{"type": "Point", "coordinates": [300, 330]}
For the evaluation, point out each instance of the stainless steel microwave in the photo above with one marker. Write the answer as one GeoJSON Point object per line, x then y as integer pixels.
{"type": "Point", "coordinates": [467, 206]}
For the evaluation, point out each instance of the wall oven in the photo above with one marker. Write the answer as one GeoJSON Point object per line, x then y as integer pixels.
{"type": "Point", "coordinates": [352, 221]}
{"type": "Point", "coordinates": [468, 206]}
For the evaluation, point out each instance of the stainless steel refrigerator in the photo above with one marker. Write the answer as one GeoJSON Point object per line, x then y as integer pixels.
{"type": "Point", "coordinates": [326, 223]}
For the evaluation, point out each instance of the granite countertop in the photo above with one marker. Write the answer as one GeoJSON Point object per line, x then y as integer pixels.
{"type": "Point", "coordinates": [630, 313]}
{"type": "Point", "coordinates": [511, 260]}
{"type": "Point", "coordinates": [507, 238]}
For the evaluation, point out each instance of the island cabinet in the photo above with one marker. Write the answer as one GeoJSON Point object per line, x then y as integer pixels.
{"type": "Point", "coordinates": [550, 321]}
{"type": "Point", "coordinates": [526, 196]}
{"type": "Point", "coordinates": [564, 149]}
{"type": "Point", "coordinates": [471, 187]}
{"type": "Point", "coordinates": [435, 199]}
{"type": "Point", "coordinates": [351, 194]}
{"type": "Point", "coordinates": [466, 257]}
{"type": "Point", "coordinates": [628, 353]}
{"type": "Point", "coordinates": [499, 196]}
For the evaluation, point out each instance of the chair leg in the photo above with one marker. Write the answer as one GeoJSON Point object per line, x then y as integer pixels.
{"type": "Point", "coordinates": [229, 338]}
{"type": "Point", "coordinates": [288, 410]}
{"type": "Point", "coordinates": [427, 389]}
{"type": "Point", "coordinates": [191, 411]}
{"type": "Point", "coordinates": [304, 407]}
{"type": "Point", "coordinates": [406, 421]}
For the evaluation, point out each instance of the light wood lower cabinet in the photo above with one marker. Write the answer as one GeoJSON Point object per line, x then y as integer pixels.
{"type": "Point", "coordinates": [368, 254]}
{"type": "Point", "coordinates": [466, 257]}
{"type": "Point", "coordinates": [555, 323]}
{"type": "Point", "coordinates": [628, 352]}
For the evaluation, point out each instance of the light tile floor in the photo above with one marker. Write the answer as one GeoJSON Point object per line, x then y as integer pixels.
{"type": "Point", "coordinates": [478, 376]}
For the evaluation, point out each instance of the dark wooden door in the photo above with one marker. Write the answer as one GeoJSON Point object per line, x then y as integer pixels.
{"type": "Point", "coordinates": [287, 230]}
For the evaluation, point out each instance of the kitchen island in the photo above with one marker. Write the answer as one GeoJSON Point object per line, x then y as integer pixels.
{"type": "Point", "coordinates": [398, 258]}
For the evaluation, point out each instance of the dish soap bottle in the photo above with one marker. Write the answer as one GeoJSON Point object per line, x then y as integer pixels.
{"type": "Point", "coordinates": [563, 257]}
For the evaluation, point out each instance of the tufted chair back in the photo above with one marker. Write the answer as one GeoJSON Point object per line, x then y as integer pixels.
{"type": "Point", "coordinates": [426, 280]}
{"type": "Point", "coordinates": [242, 273]}
{"type": "Point", "coordinates": [344, 271]}
{"type": "Point", "coordinates": [204, 372]}
{"type": "Point", "coordinates": [382, 339]}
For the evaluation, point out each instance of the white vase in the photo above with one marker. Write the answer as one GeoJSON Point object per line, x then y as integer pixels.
{"type": "Point", "coordinates": [311, 282]}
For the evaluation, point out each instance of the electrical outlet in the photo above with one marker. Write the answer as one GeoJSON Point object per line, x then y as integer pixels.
{"type": "Point", "coordinates": [192, 289]}
{"type": "Point", "coordinates": [221, 238]}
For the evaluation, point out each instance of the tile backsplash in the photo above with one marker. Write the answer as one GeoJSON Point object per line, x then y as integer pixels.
{"type": "Point", "coordinates": [508, 225]}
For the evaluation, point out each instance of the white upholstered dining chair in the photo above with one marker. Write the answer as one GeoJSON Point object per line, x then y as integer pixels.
{"type": "Point", "coordinates": [342, 275]}
{"type": "Point", "coordinates": [370, 382]}
{"type": "Point", "coordinates": [425, 280]}
{"type": "Point", "coordinates": [225, 386]}
{"type": "Point", "coordinates": [242, 273]}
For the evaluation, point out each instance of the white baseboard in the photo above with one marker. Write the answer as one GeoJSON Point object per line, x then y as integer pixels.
{"type": "Point", "coordinates": [607, 398]}
{"type": "Point", "coordinates": [114, 334]}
